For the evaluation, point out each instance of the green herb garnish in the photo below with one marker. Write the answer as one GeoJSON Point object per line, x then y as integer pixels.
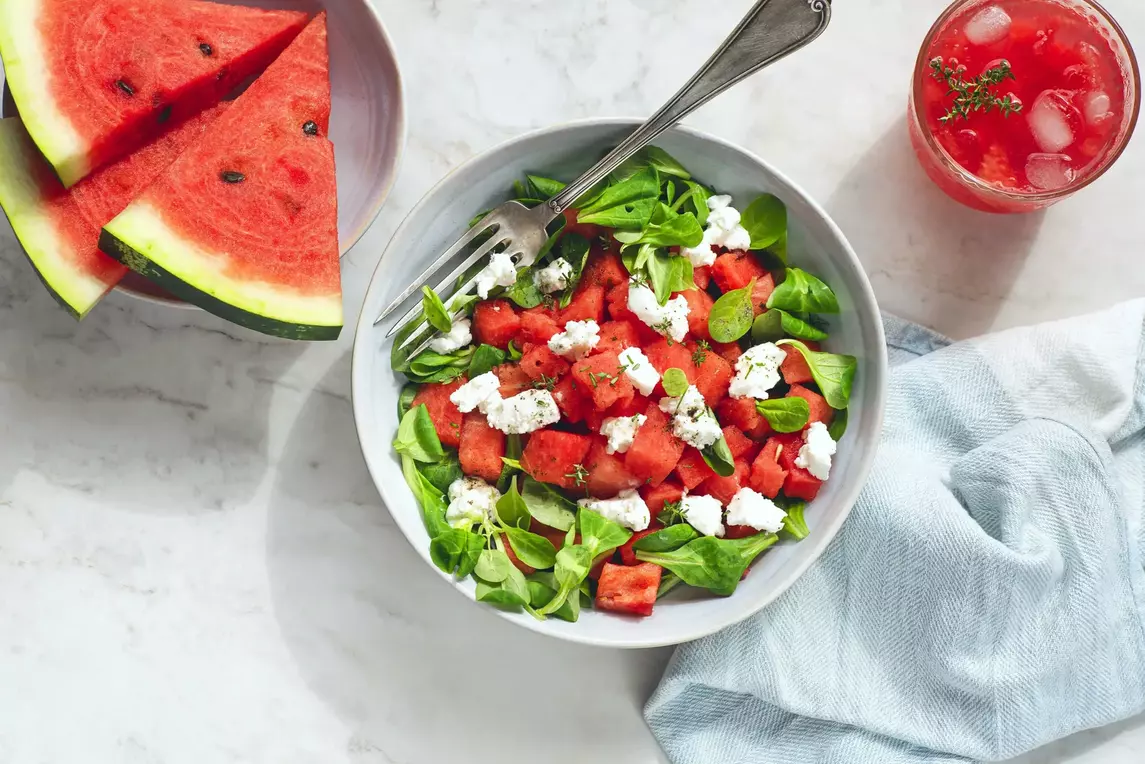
{"type": "Point", "coordinates": [974, 95]}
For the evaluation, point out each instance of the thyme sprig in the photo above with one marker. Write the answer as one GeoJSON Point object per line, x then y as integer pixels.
{"type": "Point", "coordinates": [976, 94]}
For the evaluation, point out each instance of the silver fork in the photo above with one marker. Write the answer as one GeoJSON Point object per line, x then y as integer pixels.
{"type": "Point", "coordinates": [771, 30]}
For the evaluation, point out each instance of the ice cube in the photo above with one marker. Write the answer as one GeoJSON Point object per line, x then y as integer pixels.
{"type": "Point", "coordinates": [1049, 172]}
{"type": "Point", "coordinates": [1097, 107]}
{"type": "Point", "coordinates": [989, 25]}
{"type": "Point", "coordinates": [1049, 121]}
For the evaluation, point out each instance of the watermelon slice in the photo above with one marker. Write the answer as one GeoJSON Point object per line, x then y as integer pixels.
{"type": "Point", "coordinates": [96, 79]}
{"type": "Point", "coordinates": [245, 223]}
{"type": "Point", "coordinates": [58, 228]}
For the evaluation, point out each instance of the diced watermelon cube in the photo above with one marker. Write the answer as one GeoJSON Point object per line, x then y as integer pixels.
{"type": "Point", "coordinates": [801, 484]}
{"type": "Point", "coordinates": [587, 305]}
{"type": "Point", "coordinates": [743, 414]}
{"type": "Point", "coordinates": [617, 299]}
{"type": "Point", "coordinates": [604, 269]}
{"type": "Point", "coordinates": [713, 377]}
{"type": "Point", "coordinates": [655, 451]}
{"type": "Point", "coordinates": [538, 325]}
{"type": "Point", "coordinates": [821, 411]}
{"type": "Point", "coordinates": [725, 488]}
{"type": "Point", "coordinates": [550, 456]}
{"type": "Point", "coordinates": [628, 590]}
{"type": "Point", "coordinates": [656, 496]}
{"type": "Point", "coordinates": [741, 446]}
{"type": "Point", "coordinates": [513, 379]}
{"type": "Point", "coordinates": [587, 230]}
{"type": "Point", "coordinates": [699, 308]}
{"type": "Point", "coordinates": [629, 406]}
{"type": "Point", "coordinates": [794, 368]}
{"type": "Point", "coordinates": [735, 270]}
{"type": "Point", "coordinates": [665, 354]}
{"type": "Point", "coordinates": [692, 469]}
{"type": "Point", "coordinates": [729, 351]}
{"type": "Point", "coordinates": [702, 276]}
{"type": "Point", "coordinates": [571, 400]}
{"type": "Point", "coordinates": [607, 473]}
{"type": "Point", "coordinates": [740, 532]}
{"type": "Point", "coordinates": [495, 323]}
{"type": "Point", "coordinates": [627, 553]}
{"type": "Point", "coordinates": [445, 415]}
{"type": "Point", "coordinates": [766, 475]}
{"type": "Point", "coordinates": [481, 448]}
{"type": "Point", "coordinates": [540, 362]}
{"type": "Point", "coordinates": [616, 336]}
{"type": "Point", "coordinates": [514, 559]}
{"type": "Point", "coordinates": [764, 286]}
{"type": "Point", "coordinates": [601, 377]}
{"type": "Point", "coordinates": [787, 449]}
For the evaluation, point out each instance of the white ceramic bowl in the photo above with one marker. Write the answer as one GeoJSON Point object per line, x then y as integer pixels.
{"type": "Point", "coordinates": [367, 121]}
{"type": "Point", "coordinates": [563, 152]}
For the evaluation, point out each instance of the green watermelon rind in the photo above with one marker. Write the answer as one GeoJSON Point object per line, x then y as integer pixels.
{"type": "Point", "coordinates": [27, 73]}
{"type": "Point", "coordinates": [140, 239]}
{"type": "Point", "coordinates": [22, 201]}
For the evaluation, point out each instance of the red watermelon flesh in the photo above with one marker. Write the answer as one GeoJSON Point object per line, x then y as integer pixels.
{"type": "Point", "coordinates": [244, 224]}
{"type": "Point", "coordinates": [58, 228]}
{"type": "Point", "coordinates": [96, 79]}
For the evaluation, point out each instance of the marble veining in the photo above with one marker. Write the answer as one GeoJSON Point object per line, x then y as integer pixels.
{"type": "Point", "coordinates": [194, 564]}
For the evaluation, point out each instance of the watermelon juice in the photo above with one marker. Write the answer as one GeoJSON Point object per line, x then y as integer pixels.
{"type": "Point", "coordinates": [1017, 104]}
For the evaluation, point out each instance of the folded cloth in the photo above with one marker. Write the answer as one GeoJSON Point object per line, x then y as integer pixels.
{"type": "Point", "coordinates": [986, 595]}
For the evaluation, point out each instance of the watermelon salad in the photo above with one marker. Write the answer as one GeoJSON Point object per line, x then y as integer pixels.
{"type": "Point", "coordinates": [647, 406]}
{"type": "Point", "coordinates": [127, 154]}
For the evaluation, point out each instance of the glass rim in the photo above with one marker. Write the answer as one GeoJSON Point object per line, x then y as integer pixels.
{"type": "Point", "coordinates": [1132, 72]}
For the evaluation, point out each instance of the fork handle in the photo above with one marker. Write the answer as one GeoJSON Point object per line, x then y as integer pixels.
{"type": "Point", "coordinates": [771, 30]}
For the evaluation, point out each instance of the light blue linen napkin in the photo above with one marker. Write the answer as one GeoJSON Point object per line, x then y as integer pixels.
{"type": "Point", "coordinates": [986, 595]}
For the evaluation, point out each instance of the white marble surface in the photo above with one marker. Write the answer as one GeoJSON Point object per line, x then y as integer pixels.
{"type": "Point", "coordinates": [194, 565]}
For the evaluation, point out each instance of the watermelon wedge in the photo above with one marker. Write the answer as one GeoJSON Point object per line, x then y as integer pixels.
{"type": "Point", "coordinates": [58, 228]}
{"type": "Point", "coordinates": [96, 79]}
{"type": "Point", "coordinates": [244, 224]}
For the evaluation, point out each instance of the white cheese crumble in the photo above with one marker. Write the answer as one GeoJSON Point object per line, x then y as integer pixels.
{"type": "Point", "coordinates": [471, 500]}
{"type": "Point", "coordinates": [554, 277]}
{"type": "Point", "coordinates": [818, 448]}
{"type": "Point", "coordinates": [621, 432]}
{"type": "Point", "coordinates": [577, 340]}
{"type": "Point", "coordinates": [478, 393]}
{"type": "Point", "coordinates": [627, 509]}
{"type": "Point", "coordinates": [524, 412]}
{"type": "Point", "coordinates": [499, 272]}
{"type": "Point", "coordinates": [757, 371]}
{"type": "Point", "coordinates": [756, 511]}
{"type": "Point", "coordinates": [692, 422]}
{"type": "Point", "coordinates": [639, 370]}
{"type": "Point", "coordinates": [670, 320]}
{"type": "Point", "coordinates": [460, 335]}
{"type": "Point", "coordinates": [724, 230]}
{"type": "Point", "coordinates": [704, 513]}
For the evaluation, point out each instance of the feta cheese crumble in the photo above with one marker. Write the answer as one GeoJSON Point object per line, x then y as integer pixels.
{"type": "Point", "coordinates": [755, 511]}
{"type": "Point", "coordinates": [639, 370]}
{"type": "Point", "coordinates": [670, 320]}
{"type": "Point", "coordinates": [524, 412]}
{"type": "Point", "coordinates": [757, 371]}
{"type": "Point", "coordinates": [577, 340]}
{"type": "Point", "coordinates": [499, 272]}
{"type": "Point", "coordinates": [471, 500]}
{"type": "Point", "coordinates": [460, 335]}
{"type": "Point", "coordinates": [692, 422]}
{"type": "Point", "coordinates": [704, 513]}
{"type": "Point", "coordinates": [818, 448]}
{"type": "Point", "coordinates": [627, 509]}
{"type": "Point", "coordinates": [554, 277]}
{"type": "Point", "coordinates": [724, 230]}
{"type": "Point", "coordinates": [478, 393]}
{"type": "Point", "coordinates": [621, 432]}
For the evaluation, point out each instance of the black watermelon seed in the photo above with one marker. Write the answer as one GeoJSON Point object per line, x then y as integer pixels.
{"type": "Point", "coordinates": [165, 114]}
{"type": "Point", "coordinates": [125, 87]}
{"type": "Point", "coordinates": [310, 127]}
{"type": "Point", "coordinates": [230, 176]}
{"type": "Point", "coordinates": [206, 49]}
